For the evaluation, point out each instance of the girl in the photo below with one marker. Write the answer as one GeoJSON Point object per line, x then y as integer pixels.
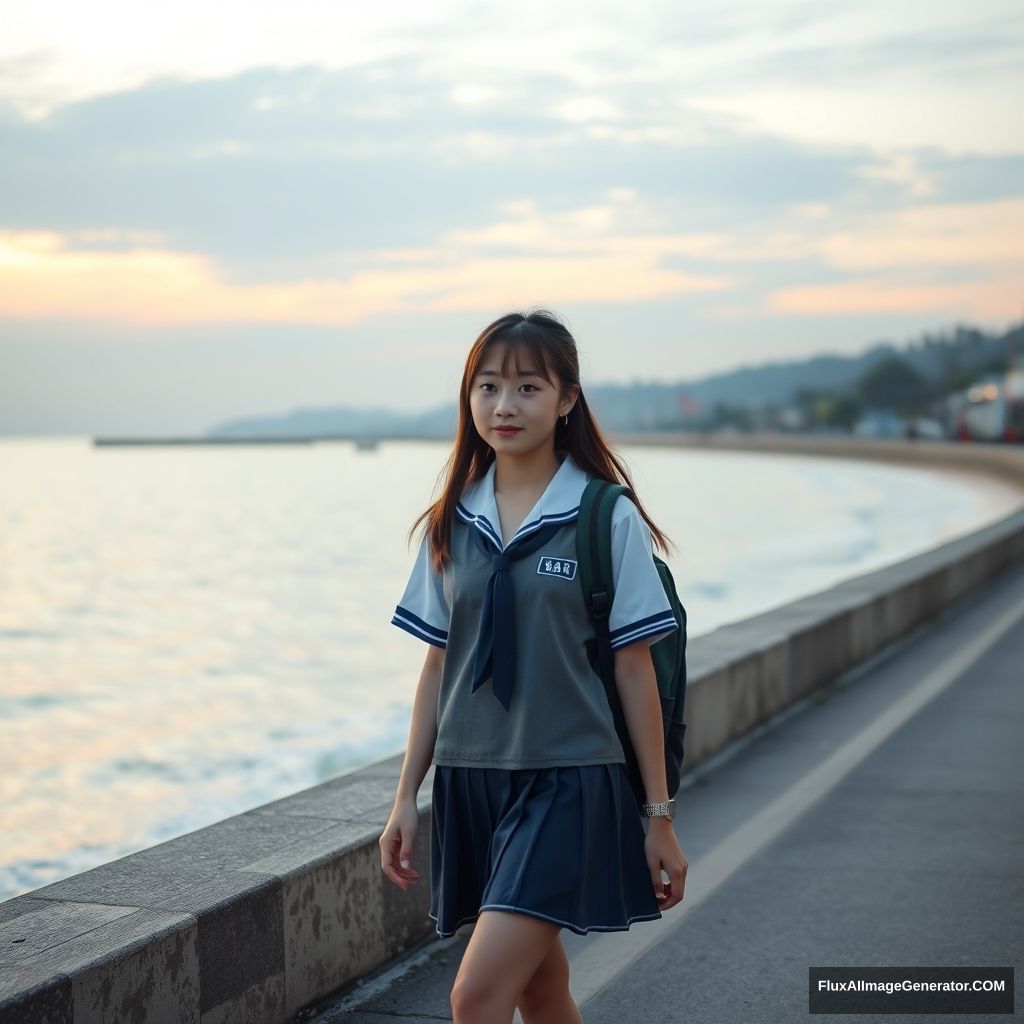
{"type": "Point", "coordinates": [535, 826]}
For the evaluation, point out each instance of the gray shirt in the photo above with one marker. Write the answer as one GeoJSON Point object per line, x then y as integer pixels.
{"type": "Point", "coordinates": [559, 714]}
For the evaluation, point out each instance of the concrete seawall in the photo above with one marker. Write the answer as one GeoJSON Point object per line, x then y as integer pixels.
{"type": "Point", "coordinates": [257, 916]}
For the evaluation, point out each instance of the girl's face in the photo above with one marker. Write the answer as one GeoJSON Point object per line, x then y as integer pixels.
{"type": "Point", "coordinates": [527, 401]}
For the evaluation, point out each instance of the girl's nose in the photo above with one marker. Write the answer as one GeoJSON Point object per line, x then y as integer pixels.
{"type": "Point", "coordinates": [506, 399]}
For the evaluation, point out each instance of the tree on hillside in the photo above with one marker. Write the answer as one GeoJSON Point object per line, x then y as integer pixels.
{"type": "Point", "coordinates": [892, 383]}
{"type": "Point", "coordinates": [728, 414]}
{"type": "Point", "coordinates": [824, 408]}
{"type": "Point", "coordinates": [957, 377]}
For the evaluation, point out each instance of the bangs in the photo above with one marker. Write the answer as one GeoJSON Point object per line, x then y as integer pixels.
{"type": "Point", "coordinates": [525, 346]}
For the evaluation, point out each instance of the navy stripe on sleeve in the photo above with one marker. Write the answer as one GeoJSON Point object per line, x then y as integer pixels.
{"type": "Point", "coordinates": [661, 622]}
{"type": "Point", "coordinates": [404, 619]}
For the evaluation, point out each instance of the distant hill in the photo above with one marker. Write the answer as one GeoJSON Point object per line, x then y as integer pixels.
{"type": "Point", "coordinates": [639, 405]}
{"type": "Point", "coordinates": [439, 422]}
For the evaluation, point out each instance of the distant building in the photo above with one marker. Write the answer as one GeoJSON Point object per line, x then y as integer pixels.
{"type": "Point", "coordinates": [991, 409]}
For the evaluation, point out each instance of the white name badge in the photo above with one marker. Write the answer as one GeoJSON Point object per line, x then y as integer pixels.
{"type": "Point", "coordinates": [564, 568]}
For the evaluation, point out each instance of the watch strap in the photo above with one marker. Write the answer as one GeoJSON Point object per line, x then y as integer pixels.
{"type": "Point", "coordinates": [665, 809]}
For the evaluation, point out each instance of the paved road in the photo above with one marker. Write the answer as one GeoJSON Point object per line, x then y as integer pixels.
{"type": "Point", "coordinates": [881, 823]}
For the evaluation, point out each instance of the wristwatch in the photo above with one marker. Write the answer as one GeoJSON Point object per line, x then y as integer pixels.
{"type": "Point", "coordinates": [662, 810]}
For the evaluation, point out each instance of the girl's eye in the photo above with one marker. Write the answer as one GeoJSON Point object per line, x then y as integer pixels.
{"type": "Point", "coordinates": [488, 384]}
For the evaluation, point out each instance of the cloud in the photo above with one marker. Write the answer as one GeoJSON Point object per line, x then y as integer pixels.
{"type": "Point", "coordinates": [571, 256]}
{"type": "Point", "coordinates": [591, 254]}
{"type": "Point", "coordinates": [974, 236]}
{"type": "Point", "coordinates": [988, 299]}
{"type": "Point", "coordinates": [960, 259]}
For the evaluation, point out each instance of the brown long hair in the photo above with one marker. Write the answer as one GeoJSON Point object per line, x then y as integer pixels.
{"type": "Point", "coordinates": [553, 350]}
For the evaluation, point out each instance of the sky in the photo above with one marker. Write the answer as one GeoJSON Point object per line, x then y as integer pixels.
{"type": "Point", "coordinates": [217, 210]}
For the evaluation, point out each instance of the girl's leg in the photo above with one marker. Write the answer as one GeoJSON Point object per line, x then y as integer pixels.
{"type": "Point", "coordinates": [546, 998]}
{"type": "Point", "coordinates": [502, 956]}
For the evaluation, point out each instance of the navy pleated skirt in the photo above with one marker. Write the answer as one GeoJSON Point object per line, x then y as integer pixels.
{"type": "Point", "coordinates": [565, 844]}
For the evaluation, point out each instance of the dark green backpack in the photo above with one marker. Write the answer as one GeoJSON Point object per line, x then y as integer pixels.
{"type": "Point", "coordinates": [594, 557]}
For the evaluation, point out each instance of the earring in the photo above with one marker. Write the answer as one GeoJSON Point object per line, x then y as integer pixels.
{"type": "Point", "coordinates": [565, 420]}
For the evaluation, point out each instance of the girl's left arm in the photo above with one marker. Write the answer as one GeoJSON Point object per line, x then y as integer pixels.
{"type": "Point", "coordinates": [637, 684]}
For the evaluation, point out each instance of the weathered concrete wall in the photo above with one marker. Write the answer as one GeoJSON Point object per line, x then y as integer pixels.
{"type": "Point", "coordinates": [254, 917]}
{"type": "Point", "coordinates": [248, 919]}
{"type": "Point", "coordinates": [745, 672]}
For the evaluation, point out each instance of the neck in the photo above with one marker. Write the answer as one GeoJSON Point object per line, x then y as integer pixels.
{"type": "Point", "coordinates": [516, 474]}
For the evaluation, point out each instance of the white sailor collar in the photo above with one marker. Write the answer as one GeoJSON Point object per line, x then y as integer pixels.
{"type": "Point", "coordinates": [560, 502]}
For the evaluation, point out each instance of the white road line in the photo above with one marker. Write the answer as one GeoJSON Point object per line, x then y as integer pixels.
{"type": "Point", "coordinates": [602, 961]}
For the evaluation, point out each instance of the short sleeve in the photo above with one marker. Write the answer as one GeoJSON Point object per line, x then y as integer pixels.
{"type": "Point", "coordinates": [640, 607]}
{"type": "Point", "coordinates": [423, 609]}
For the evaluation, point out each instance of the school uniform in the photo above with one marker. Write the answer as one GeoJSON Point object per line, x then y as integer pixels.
{"type": "Point", "coordinates": [532, 807]}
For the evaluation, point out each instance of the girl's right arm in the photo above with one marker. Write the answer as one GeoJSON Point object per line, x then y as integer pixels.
{"type": "Point", "coordinates": [423, 730]}
{"type": "Point", "coordinates": [396, 842]}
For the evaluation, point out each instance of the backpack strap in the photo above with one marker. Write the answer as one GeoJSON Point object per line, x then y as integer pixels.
{"type": "Point", "coordinates": [594, 552]}
{"type": "Point", "coordinates": [595, 530]}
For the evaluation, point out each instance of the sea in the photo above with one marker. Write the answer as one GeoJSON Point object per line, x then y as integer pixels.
{"type": "Point", "coordinates": [191, 631]}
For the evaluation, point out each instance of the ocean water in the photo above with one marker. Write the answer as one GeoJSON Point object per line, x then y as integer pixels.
{"type": "Point", "coordinates": [190, 632]}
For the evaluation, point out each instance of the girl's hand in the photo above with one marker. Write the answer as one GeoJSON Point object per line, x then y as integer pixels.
{"type": "Point", "coordinates": [663, 851]}
{"type": "Point", "coordinates": [396, 844]}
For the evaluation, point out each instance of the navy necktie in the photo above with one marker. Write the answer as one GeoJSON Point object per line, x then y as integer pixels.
{"type": "Point", "coordinates": [496, 645]}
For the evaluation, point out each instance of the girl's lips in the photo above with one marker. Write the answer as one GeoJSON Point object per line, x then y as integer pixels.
{"type": "Point", "coordinates": [507, 430]}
